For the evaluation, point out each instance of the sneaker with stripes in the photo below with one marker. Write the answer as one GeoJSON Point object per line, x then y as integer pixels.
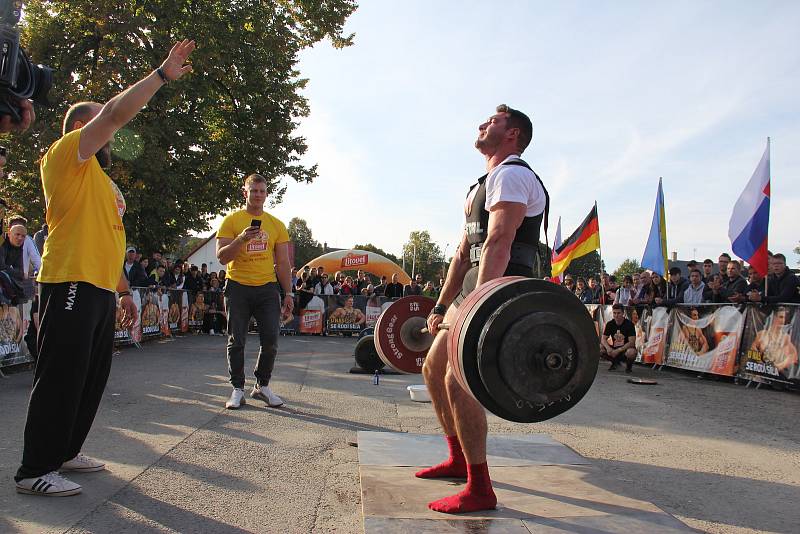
{"type": "Point", "coordinates": [50, 485]}
{"type": "Point", "coordinates": [82, 464]}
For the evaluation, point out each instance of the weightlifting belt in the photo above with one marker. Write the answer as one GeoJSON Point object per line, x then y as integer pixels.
{"type": "Point", "coordinates": [522, 254]}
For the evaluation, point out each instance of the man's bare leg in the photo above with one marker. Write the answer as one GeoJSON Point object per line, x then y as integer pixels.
{"type": "Point", "coordinates": [434, 371]}
{"type": "Point", "coordinates": [470, 421]}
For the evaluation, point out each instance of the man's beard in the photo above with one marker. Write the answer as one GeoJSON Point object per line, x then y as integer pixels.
{"type": "Point", "coordinates": [486, 144]}
{"type": "Point", "coordinates": [104, 156]}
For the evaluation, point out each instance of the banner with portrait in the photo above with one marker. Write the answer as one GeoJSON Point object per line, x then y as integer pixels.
{"type": "Point", "coordinates": [655, 342]}
{"type": "Point", "coordinates": [151, 313]}
{"type": "Point", "coordinates": [770, 343]}
{"type": "Point", "coordinates": [178, 311]}
{"type": "Point", "coordinates": [13, 326]}
{"type": "Point", "coordinates": [346, 314]}
{"type": "Point", "coordinates": [290, 321]}
{"type": "Point", "coordinates": [705, 339]}
{"type": "Point", "coordinates": [134, 333]}
{"type": "Point", "coordinates": [641, 319]}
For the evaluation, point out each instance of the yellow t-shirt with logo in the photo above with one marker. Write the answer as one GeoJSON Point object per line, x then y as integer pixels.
{"type": "Point", "coordinates": [86, 239]}
{"type": "Point", "coordinates": [254, 264]}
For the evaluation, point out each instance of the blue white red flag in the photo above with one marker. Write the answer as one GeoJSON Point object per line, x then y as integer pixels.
{"type": "Point", "coordinates": [749, 224]}
{"type": "Point", "coordinates": [556, 243]}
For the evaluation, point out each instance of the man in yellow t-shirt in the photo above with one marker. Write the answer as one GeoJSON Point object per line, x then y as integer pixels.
{"type": "Point", "coordinates": [80, 273]}
{"type": "Point", "coordinates": [254, 246]}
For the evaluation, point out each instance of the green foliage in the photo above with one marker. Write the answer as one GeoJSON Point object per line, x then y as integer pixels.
{"type": "Point", "coordinates": [586, 266]}
{"type": "Point", "coordinates": [422, 255]}
{"type": "Point", "coordinates": [627, 268]}
{"type": "Point", "coordinates": [186, 246]}
{"type": "Point", "coordinates": [182, 160]}
{"type": "Point", "coordinates": [369, 247]}
{"type": "Point", "coordinates": [306, 248]}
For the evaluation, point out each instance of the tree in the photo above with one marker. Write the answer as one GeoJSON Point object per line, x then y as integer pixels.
{"type": "Point", "coordinates": [306, 248]}
{"type": "Point", "coordinates": [586, 266]}
{"type": "Point", "coordinates": [369, 247]}
{"type": "Point", "coordinates": [627, 268]}
{"type": "Point", "coordinates": [182, 160]}
{"type": "Point", "coordinates": [797, 251]}
{"type": "Point", "coordinates": [422, 255]}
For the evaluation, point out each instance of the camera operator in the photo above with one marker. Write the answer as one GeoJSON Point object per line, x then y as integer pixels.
{"type": "Point", "coordinates": [7, 123]}
{"type": "Point", "coordinates": [80, 273]}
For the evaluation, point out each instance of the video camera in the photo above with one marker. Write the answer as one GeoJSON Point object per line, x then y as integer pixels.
{"type": "Point", "coordinates": [19, 78]}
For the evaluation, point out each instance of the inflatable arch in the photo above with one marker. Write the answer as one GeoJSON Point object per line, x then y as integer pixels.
{"type": "Point", "coordinates": [352, 260]}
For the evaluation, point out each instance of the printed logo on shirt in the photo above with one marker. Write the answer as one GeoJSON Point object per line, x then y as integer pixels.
{"type": "Point", "coordinates": [120, 200]}
{"type": "Point", "coordinates": [258, 243]}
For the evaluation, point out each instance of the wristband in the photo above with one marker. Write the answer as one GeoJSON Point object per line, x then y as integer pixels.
{"type": "Point", "coordinates": [439, 309]}
{"type": "Point", "coordinates": [288, 294]}
{"type": "Point", "coordinates": [161, 75]}
{"type": "Point", "coordinates": [124, 294]}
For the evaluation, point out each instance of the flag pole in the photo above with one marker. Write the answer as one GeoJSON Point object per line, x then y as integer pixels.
{"type": "Point", "coordinates": [600, 253]}
{"type": "Point", "coordinates": [766, 277]}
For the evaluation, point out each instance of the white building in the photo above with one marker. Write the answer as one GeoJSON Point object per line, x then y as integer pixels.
{"type": "Point", "coordinates": [206, 252]}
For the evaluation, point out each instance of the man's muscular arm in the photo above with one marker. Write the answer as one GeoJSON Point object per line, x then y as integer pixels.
{"type": "Point", "coordinates": [455, 273]}
{"type": "Point", "coordinates": [504, 220]}
{"type": "Point", "coordinates": [121, 109]}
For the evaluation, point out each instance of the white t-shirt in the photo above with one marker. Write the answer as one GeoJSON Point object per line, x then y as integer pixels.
{"type": "Point", "coordinates": [514, 183]}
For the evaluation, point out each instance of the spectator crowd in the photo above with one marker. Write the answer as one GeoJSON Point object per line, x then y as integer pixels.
{"type": "Point", "coordinates": [730, 283]}
{"type": "Point", "coordinates": [315, 281]}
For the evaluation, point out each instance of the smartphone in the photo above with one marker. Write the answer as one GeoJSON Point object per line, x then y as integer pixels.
{"type": "Point", "coordinates": [256, 223]}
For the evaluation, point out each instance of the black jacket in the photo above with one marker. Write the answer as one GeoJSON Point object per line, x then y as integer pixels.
{"type": "Point", "coordinates": [782, 289]}
{"type": "Point", "coordinates": [675, 292]}
{"type": "Point", "coordinates": [136, 277]}
{"type": "Point", "coordinates": [394, 291]}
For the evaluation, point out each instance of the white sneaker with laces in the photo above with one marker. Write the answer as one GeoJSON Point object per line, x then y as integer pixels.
{"type": "Point", "coordinates": [82, 464]}
{"type": "Point", "coordinates": [50, 485]}
{"type": "Point", "coordinates": [236, 400]}
{"type": "Point", "coordinates": [266, 395]}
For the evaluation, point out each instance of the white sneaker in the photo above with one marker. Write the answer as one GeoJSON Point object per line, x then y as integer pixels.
{"type": "Point", "coordinates": [50, 485]}
{"type": "Point", "coordinates": [266, 395]}
{"type": "Point", "coordinates": [236, 400]}
{"type": "Point", "coordinates": [211, 332]}
{"type": "Point", "coordinates": [82, 464]}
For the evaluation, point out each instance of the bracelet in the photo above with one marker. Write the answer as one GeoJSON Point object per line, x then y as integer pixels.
{"type": "Point", "coordinates": [161, 75]}
{"type": "Point", "coordinates": [288, 294]}
{"type": "Point", "coordinates": [439, 309]}
{"type": "Point", "coordinates": [124, 294]}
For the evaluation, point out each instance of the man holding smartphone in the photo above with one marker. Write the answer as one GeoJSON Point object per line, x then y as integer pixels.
{"type": "Point", "coordinates": [254, 246]}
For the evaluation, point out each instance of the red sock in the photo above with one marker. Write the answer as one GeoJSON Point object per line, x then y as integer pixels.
{"type": "Point", "coordinates": [478, 495]}
{"type": "Point", "coordinates": [453, 467]}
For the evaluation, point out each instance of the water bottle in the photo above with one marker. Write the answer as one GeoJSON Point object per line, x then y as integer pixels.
{"type": "Point", "coordinates": [376, 379]}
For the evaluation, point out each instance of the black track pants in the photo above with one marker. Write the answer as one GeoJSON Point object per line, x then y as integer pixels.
{"type": "Point", "coordinates": [76, 343]}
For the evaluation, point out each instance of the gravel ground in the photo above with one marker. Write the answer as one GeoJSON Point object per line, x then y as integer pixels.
{"type": "Point", "coordinates": [719, 457]}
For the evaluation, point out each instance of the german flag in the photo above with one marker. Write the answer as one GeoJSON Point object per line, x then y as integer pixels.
{"type": "Point", "coordinates": [582, 241]}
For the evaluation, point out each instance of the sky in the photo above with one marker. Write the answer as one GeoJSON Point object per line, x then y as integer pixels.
{"type": "Point", "coordinates": [620, 94]}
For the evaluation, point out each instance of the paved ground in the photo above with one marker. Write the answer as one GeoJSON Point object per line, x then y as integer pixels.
{"type": "Point", "coordinates": [719, 457]}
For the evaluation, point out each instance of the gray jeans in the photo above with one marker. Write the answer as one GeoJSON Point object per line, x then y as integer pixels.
{"type": "Point", "coordinates": [262, 303]}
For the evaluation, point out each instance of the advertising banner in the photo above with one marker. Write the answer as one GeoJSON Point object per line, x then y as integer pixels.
{"type": "Point", "coordinates": [770, 343]}
{"type": "Point", "coordinates": [346, 314]}
{"type": "Point", "coordinates": [290, 321]}
{"type": "Point", "coordinates": [197, 310]}
{"type": "Point", "coordinates": [134, 333]}
{"type": "Point", "coordinates": [151, 313]}
{"type": "Point", "coordinates": [641, 321]}
{"type": "Point", "coordinates": [312, 316]}
{"type": "Point", "coordinates": [13, 325]}
{"type": "Point", "coordinates": [705, 339]}
{"type": "Point", "coordinates": [653, 347]}
{"type": "Point", "coordinates": [178, 311]}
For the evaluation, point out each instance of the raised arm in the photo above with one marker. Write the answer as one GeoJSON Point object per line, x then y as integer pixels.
{"type": "Point", "coordinates": [119, 111]}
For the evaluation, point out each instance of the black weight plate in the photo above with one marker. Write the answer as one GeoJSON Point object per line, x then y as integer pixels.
{"type": "Point", "coordinates": [538, 355]}
{"type": "Point", "coordinates": [367, 332]}
{"type": "Point", "coordinates": [470, 332]}
{"type": "Point", "coordinates": [367, 355]}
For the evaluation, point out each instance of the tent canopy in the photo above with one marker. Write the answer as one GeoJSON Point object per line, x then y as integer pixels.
{"type": "Point", "coordinates": [353, 259]}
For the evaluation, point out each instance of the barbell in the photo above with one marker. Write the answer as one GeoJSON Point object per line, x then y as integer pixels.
{"type": "Point", "coordinates": [525, 349]}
